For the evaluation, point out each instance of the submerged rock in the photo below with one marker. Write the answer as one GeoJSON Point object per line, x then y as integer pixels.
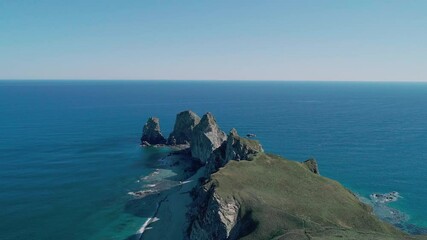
{"type": "Point", "coordinates": [385, 197]}
{"type": "Point", "coordinates": [206, 137]}
{"type": "Point", "coordinates": [183, 129]}
{"type": "Point", "coordinates": [311, 164]}
{"type": "Point", "coordinates": [250, 135]}
{"type": "Point", "coordinates": [151, 133]}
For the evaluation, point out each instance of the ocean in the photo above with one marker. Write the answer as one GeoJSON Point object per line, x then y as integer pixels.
{"type": "Point", "coordinates": [70, 154]}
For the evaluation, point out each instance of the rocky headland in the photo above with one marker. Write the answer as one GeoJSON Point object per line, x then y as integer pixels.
{"type": "Point", "coordinates": [238, 191]}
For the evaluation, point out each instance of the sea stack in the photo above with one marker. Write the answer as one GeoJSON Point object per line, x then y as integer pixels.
{"type": "Point", "coordinates": [151, 134]}
{"type": "Point", "coordinates": [206, 137]}
{"type": "Point", "coordinates": [183, 129]}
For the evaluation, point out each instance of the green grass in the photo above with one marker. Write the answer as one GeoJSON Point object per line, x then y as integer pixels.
{"type": "Point", "coordinates": [251, 143]}
{"type": "Point", "coordinates": [286, 201]}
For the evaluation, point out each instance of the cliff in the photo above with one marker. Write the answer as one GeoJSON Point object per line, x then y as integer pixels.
{"type": "Point", "coordinates": [270, 197]}
{"type": "Point", "coordinates": [248, 194]}
{"type": "Point", "coordinates": [215, 218]}
{"type": "Point", "coordinates": [206, 138]}
{"type": "Point", "coordinates": [183, 129]}
{"type": "Point", "coordinates": [234, 148]}
{"type": "Point", "coordinates": [239, 148]}
{"type": "Point", "coordinates": [151, 133]}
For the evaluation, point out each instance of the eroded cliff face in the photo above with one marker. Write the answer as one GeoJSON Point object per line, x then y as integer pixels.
{"type": "Point", "coordinates": [206, 138]}
{"type": "Point", "coordinates": [240, 148]}
{"type": "Point", "coordinates": [233, 200]}
{"type": "Point", "coordinates": [270, 197]}
{"type": "Point", "coordinates": [183, 129]}
{"type": "Point", "coordinates": [213, 217]}
{"type": "Point", "coordinates": [234, 148]}
{"type": "Point", "coordinates": [151, 133]}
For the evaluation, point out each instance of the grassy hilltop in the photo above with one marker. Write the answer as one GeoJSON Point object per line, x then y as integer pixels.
{"type": "Point", "coordinates": [244, 193]}
{"type": "Point", "coordinates": [282, 199]}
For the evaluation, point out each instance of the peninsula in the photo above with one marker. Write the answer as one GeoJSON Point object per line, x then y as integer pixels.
{"type": "Point", "coordinates": [242, 192]}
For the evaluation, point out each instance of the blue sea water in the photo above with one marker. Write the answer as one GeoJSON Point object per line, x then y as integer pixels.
{"type": "Point", "coordinates": [69, 150]}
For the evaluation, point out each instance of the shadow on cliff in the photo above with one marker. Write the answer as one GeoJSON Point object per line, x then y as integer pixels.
{"type": "Point", "coordinates": [246, 225]}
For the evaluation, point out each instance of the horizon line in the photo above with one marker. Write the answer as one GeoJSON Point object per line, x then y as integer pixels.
{"type": "Point", "coordinates": [214, 80]}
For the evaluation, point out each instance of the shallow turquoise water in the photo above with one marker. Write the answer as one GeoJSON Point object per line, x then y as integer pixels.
{"type": "Point", "coordinates": [69, 150]}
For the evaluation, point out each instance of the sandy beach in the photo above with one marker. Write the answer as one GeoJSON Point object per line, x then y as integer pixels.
{"type": "Point", "coordinates": [168, 189]}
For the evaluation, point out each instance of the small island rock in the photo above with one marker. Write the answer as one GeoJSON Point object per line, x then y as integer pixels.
{"type": "Point", "coordinates": [151, 133]}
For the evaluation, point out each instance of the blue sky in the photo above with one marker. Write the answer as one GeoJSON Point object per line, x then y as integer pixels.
{"type": "Point", "coordinates": [237, 40]}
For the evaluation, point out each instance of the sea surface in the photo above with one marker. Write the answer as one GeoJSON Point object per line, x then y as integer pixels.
{"type": "Point", "coordinates": [69, 150]}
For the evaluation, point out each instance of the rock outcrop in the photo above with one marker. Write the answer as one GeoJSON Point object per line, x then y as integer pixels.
{"type": "Point", "coordinates": [216, 160]}
{"type": "Point", "coordinates": [239, 148]}
{"type": "Point", "coordinates": [270, 197]}
{"type": "Point", "coordinates": [151, 134]}
{"type": "Point", "coordinates": [234, 148]}
{"type": "Point", "coordinates": [206, 137]}
{"type": "Point", "coordinates": [214, 218]}
{"type": "Point", "coordinates": [183, 129]}
{"type": "Point", "coordinates": [266, 197]}
{"type": "Point", "coordinates": [311, 164]}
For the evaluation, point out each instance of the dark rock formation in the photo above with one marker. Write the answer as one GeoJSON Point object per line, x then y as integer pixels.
{"type": "Point", "coordinates": [183, 129]}
{"type": "Point", "coordinates": [216, 160]}
{"type": "Point", "coordinates": [213, 217]}
{"type": "Point", "coordinates": [206, 137]}
{"type": "Point", "coordinates": [239, 148]}
{"type": "Point", "coordinates": [235, 148]}
{"type": "Point", "coordinates": [311, 164]}
{"type": "Point", "coordinates": [151, 133]}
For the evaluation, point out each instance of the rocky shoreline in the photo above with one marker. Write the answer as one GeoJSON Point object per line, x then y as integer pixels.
{"type": "Point", "coordinates": [162, 191]}
{"type": "Point", "coordinates": [380, 201]}
{"type": "Point", "coordinates": [209, 214]}
{"type": "Point", "coordinates": [201, 141]}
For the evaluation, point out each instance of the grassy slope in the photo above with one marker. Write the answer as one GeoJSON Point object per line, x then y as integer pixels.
{"type": "Point", "coordinates": [287, 201]}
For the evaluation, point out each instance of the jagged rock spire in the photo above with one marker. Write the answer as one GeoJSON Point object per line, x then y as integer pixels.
{"type": "Point", "coordinates": [206, 137]}
{"type": "Point", "coordinates": [183, 129]}
{"type": "Point", "coordinates": [151, 133]}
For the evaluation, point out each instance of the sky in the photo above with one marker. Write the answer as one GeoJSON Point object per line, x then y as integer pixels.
{"type": "Point", "coordinates": [214, 40]}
